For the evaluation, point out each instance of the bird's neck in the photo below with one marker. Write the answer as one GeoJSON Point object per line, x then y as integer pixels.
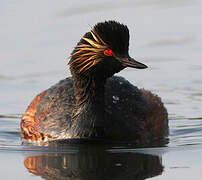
{"type": "Point", "coordinates": [88, 118]}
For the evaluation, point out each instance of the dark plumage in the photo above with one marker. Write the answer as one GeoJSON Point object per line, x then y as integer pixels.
{"type": "Point", "coordinates": [94, 104]}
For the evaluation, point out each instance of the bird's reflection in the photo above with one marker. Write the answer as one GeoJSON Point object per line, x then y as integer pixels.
{"type": "Point", "coordinates": [94, 163]}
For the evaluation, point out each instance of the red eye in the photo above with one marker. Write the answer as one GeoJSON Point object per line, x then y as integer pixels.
{"type": "Point", "coordinates": [108, 52]}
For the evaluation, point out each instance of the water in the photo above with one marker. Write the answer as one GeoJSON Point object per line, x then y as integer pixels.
{"type": "Point", "coordinates": [36, 39]}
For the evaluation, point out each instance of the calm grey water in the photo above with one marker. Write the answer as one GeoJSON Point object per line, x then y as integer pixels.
{"type": "Point", "coordinates": [36, 37]}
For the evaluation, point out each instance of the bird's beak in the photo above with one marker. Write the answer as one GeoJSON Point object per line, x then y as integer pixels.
{"type": "Point", "coordinates": [130, 62]}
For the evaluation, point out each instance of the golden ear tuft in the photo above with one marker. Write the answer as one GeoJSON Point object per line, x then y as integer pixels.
{"type": "Point", "coordinates": [88, 55]}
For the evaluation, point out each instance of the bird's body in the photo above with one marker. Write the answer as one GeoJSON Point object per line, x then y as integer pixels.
{"type": "Point", "coordinates": [94, 104]}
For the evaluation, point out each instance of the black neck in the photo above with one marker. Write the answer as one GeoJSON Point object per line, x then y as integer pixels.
{"type": "Point", "coordinates": [88, 118]}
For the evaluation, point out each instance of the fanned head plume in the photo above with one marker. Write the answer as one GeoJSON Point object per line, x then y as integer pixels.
{"type": "Point", "coordinates": [89, 53]}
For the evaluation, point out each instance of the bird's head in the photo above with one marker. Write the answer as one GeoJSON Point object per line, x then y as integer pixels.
{"type": "Point", "coordinates": [103, 51]}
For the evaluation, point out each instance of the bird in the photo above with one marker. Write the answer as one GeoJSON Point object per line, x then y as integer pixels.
{"type": "Point", "coordinates": [94, 104]}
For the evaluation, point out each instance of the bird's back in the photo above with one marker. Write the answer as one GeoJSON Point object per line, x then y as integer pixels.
{"type": "Point", "coordinates": [126, 112]}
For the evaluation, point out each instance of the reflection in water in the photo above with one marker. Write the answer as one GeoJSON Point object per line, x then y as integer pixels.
{"type": "Point", "coordinates": [94, 164]}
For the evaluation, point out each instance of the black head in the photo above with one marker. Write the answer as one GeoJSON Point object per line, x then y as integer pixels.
{"type": "Point", "coordinates": [103, 51]}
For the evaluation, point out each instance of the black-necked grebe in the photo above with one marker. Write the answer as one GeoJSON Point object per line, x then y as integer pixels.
{"type": "Point", "coordinates": [94, 104]}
